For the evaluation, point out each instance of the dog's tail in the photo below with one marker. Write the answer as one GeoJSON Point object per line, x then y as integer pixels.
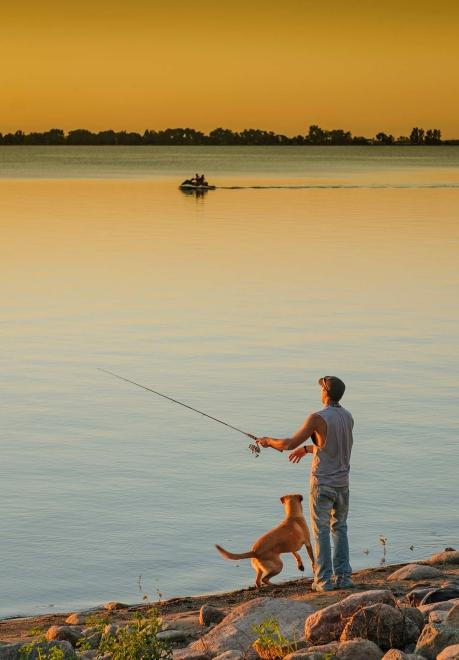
{"type": "Point", "coordinates": [232, 555]}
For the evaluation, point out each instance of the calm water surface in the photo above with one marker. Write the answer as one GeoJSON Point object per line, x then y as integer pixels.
{"type": "Point", "coordinates": [235, 302]}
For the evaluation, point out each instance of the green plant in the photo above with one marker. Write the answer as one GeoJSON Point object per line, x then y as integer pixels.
{"type": "Point", "coordinates": [83, 644]}
{"type": "Point", "coordinates": [138, 640]}
{"type": "Point", "coordinates": [271, 643]}
{"type": "Point", "coordinates": [96, 621]}
{"type": "Point", "coordinates": [41, 651]}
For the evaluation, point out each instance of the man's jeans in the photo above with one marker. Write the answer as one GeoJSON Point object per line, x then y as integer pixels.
{"type": "Point", "coordinates": [328, 509]}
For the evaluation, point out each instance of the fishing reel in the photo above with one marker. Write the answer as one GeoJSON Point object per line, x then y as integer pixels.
{"type": "Point", "coordinates": [255, 449]}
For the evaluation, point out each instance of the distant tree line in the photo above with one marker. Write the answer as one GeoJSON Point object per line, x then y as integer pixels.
{"type": "Point", "coordinates": [219, 137]}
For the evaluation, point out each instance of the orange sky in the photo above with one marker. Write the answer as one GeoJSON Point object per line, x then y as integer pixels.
{"type": "Point", "coordinates": [355, 64]}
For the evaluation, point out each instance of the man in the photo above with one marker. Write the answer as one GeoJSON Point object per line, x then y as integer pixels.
{"type": "Point", "coordinates": [330, 430]}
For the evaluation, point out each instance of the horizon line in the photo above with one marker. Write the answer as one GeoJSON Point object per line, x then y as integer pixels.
{"type": "Point", "coordinates": [218, 137]}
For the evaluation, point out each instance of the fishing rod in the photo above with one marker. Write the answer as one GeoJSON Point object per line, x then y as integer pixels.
{"type": "Point", "coordinates": [255, 449]}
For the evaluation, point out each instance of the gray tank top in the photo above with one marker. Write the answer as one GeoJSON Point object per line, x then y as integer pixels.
{"type": "Point", "coordinates": [330, 465]}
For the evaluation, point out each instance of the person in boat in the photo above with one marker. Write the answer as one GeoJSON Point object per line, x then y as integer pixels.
{"type": "Point", "coordinates": [197, 180]}
{"type": "Point", "coordinates": [201, 180]}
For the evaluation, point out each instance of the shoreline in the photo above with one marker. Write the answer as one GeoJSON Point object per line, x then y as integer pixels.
{"type": "Point", "coordinates": [24, 629]}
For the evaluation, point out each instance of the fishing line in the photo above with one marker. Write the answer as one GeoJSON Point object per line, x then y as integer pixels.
{"type": "Point", "coordinates": [255, 449]}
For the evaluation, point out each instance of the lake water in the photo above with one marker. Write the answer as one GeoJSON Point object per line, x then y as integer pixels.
{"type": "Point", "coordinates": [236, 303]}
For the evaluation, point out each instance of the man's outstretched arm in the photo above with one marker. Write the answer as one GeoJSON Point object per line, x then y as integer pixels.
{"type": "Point", "coordinates": [303, 433]}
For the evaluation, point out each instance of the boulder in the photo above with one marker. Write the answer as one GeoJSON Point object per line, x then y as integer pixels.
{"type": "Point", "coordinates": [382, 624]}
{"type": "Point", "coordinates": [425, 595]}
{"type": "Point", "coordinates": [414, 614]}
{"type": "Point", "coordinates": [414, 572]}
{"type": "Point", "coordinates": [13, 651]}
{"type": "Point", "coordinates": [396, 654]}
{"type": "Point", "coordinates": [113, 605]}
{"type": "Point", "coordinates": [189, 654]}
{"type": "Point", "coordinates": [76, 619]}
{"type": "Point", "coordinates": [327, 624]}
{"type": "Point", "coordinates": [444, 606]}
{"type": "Point", "coordinates": [235, 631]}
{"type": "Point", "coordinates": [446, 557]}
{"type": "Point", "coordinates": [434, 638]}
{"type": "Point", "coordinates": [189, 625]}
{"type": "Point", "coordinates": [356, 649]}
{"type": "Point", "coordinates": [110, 630]}
{"type": "Point", "coordinates": [171, 635]}
{"type": "Point", "coordinates": [231, 654]}
{"type": "Point", "coordinates": [449, 653]}
{"type": "Point", "coordinates": [64, 634]}
{"type": "Point", "coordinates": [93, 640]}
{"type": "Point", "coordinates": [437, 616]}
{"type": "Point", "coordinates": [452, 618]}
{"type": "Point", "coordinates": [314, 652]}
{"type": "Point", "coordinates": [209, 615]}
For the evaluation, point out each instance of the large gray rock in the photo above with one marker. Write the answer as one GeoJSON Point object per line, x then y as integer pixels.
{"type": "Point", "coordinates": [433, 594]}
{"type": "Point", "coordinates": [208, 614]}
{"type": "Point", "coordinates": [64, 633]}
{"type": "Point", "coordinates": [447, 557]}
{"type": "Point", "coordinates": [327, 624]}
{"type": "Point", "coordinates": [452, 618]}
{"type": "Point", "coordinates": [189, 625]}
{"type": "Point", "coordinates": [356, 649]}
{"type": "Point", "coordinates": [382, 624]}
{"type": "Point", "coordinates": [93, 640]}
{"type": "Point", "coordinates": [434, 638]}
{"type": "Point", "coordinates": [114, 605]}
{"type": "Point", "coordinates": [232, 654]}
{"type": "Point", "coordinates": [235, 632]}
{"type": "Point", "coordinates": [76, 619]}
{"type": "Point", "coordinates": [304, 654]}
{"type": "Point", "coordinates": [189, 654]}
{"type": "Point", "coordinates": [396, 654]}
{"type": "Point", "coordinates": [449, 653]}
{"type": "Point", "coordinates": [444, 606]}
{"type": "Point", "coordinates": [414, 614]}
{"type": "Point", "coordinates": [414, 572]}
{"type": "Point", "coordinates": [13, 651]}
{"type": "Point", "coordinates": [437, 616]}
{"type": "Point", "coordinates": [171, 635]}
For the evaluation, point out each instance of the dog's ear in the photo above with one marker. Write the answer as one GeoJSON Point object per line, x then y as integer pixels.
{"type": "Point", "coordinates": [301, 498]}
{"type": "Point", "coordinates": [282, 499]}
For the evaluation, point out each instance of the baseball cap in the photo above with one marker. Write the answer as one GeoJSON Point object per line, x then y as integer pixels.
{"type": "Point", "coordinates": [333, 386]}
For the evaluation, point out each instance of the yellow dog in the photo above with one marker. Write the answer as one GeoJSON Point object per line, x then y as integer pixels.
{"type": "Point", "coordinates": [289, 536]}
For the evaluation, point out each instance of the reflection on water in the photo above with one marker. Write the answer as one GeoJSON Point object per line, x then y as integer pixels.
{"type": "Point", "coordinates": [235, 302]}
{"type": "Point", "coordinates": [197, 192]}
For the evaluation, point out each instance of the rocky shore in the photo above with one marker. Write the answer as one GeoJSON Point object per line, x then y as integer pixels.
{"type": "Point", "coordinates": [403, 612]}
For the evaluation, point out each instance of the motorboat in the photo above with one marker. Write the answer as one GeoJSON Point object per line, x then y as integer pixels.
{"type": "Point", "coordinates": [193, 186]}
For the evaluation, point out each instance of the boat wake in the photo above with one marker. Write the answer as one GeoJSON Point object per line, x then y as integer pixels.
{"type": "Point", "coordinates": [389, 186]}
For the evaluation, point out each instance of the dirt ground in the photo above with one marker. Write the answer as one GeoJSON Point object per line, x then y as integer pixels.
{"type": "Point", "coordinates": [15, 630]}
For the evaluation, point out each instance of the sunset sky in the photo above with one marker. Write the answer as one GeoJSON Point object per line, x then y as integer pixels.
{"type": "Point", "coordinates": [356, 64]}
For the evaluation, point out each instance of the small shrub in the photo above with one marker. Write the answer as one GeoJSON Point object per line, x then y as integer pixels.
{"type": "Point", "coordinates": [138, 640]}
{"type": "Point", "coordinates": [83, 644]}
{"type": "Point", "coordinates": [271, 643]}
{"type": "Point", "coordinates": [41, 651]}
{"type": "Point", "coordinates": [96, 621]}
